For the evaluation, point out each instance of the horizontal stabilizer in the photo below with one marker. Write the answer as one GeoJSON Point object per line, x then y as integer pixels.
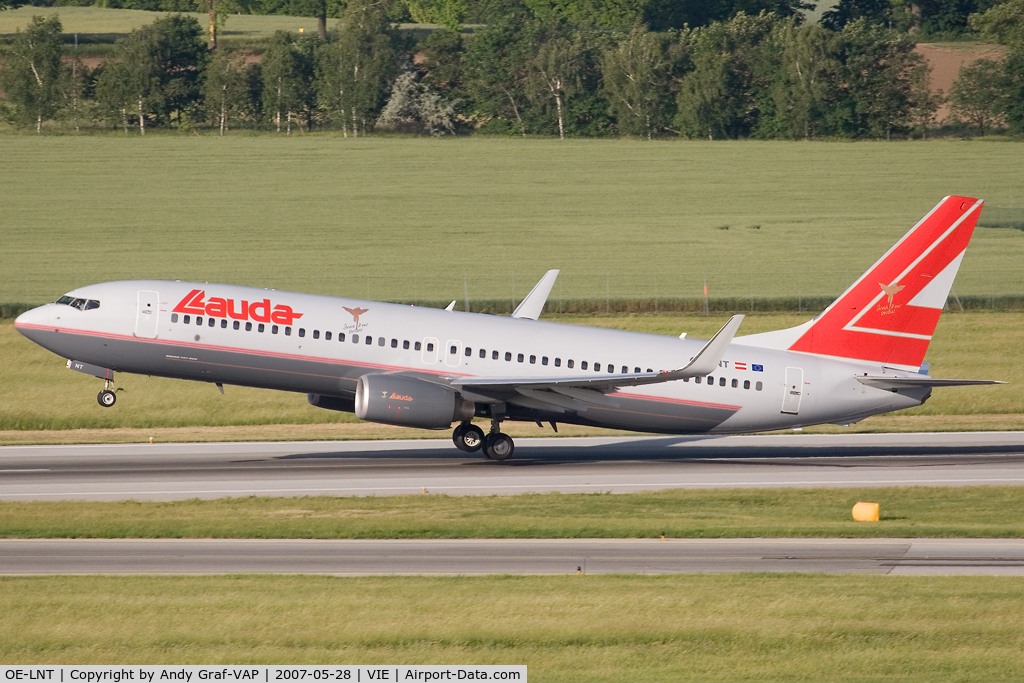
{"type": "Point", "coordinates": [915, 382]}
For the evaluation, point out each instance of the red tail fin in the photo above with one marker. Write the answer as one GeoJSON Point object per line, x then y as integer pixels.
{"type": "Point", "coordinates": [890, 313]}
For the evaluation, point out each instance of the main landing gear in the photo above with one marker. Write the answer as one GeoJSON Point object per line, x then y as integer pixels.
{"type": "Point", "coordinates": [496, 446]}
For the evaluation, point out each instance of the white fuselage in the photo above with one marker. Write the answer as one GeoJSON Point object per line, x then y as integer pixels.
{"type": "Point", "coordinates": [322, 345]}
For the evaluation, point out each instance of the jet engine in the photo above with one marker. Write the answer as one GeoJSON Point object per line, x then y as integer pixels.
{"type": "Point", "coordinates": [409, 402]}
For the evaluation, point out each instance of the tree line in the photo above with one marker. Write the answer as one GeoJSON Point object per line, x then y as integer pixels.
{"type": "Point", "coordinates": [534, 68]}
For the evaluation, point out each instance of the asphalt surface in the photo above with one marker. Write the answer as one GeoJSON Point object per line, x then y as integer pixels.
{"type": "Point", "coordinates": [618, 465]}
{"type": "Point", "coordinates": [512, 556]}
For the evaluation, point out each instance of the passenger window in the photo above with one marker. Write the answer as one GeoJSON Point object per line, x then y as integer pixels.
{"type": "Point", "coordinates": [452, 350]}
{"type": "Point", "coordinates": [544, 360]}
{"type": "Point", "coordinates": [583, 365]}
{"type": "Point", "coordinates": [558, 362]}
{"type": "Point", "coordinates": [430, 346]}
{"type": "Point", "coordinates": [649, 370]}
{"type": "Point", "coordinates": [405, 344]}
{"type": "Point", "coordinates": [341, 336]}
{"type": "Point", "coordinates": [288, 332]}
{"type": "Point", "coordinates": [469, 352]}
{"type": "Point", "coordinates": [746, 384]}
{"type": "Point", "coordinates": [224, 323]}
{"type": "Point", "coordinates": [757, 386]}
{"type": "Point", "coordinates": [417, 346]}
{"type": "Point", "coordinates": [248, 327]}
{"type": "Point", "coordinates": [327, 336]}
{"type": "Point", "coordinates": [199, 320]}
{"type": "Point", "coordinates": [381, 341]}
{"type": "Point", "coordinates": [611, 369]}
{"type": "Point", "coordinates": [316, 334]}
{"type": "Point", "coordinates": [369, 340]}
{"type": "Point", "coordinates": [636, 371]}
{"type": "Point", "coordinates": [508, 355]}
{"type": "Point", "coordinates": [711, 380]}
{"type": "Point", "coordinates": [520, 358]}
{"type": "Point", "coordinates": [735, 384]}
{"type": "Point", "coordinates": [597, 367]}
{"type": "Point", "coordinates": [187, 319]}
{"type": "Point", "coordinates": [696, 380]}
{"type": "Point", "coordinates": [236, 324]}
{"type": "Point", "coordinates": [261, 327]}
{"type": "Point", "coordinates": [570, 363]}
{"type": "Point", "coordinates": [355, 338]}
{"type": "Point", "coordinates": [273, 329]}
{"type": "Point", "coordinates": [394, 344]}
{"type": "Point", "coordinates": [721, 381]}
{"type": "Point", "coordinates": [494, 355]}
{"type": "Point", "coordinates": [302, 331]}
{"type": "Point", "coordinates": [174, 317]}
{"type": "Point", "coordinates": [533, 360]}
{"type": "Point", "coordinates": [212, 322]}
{"type": "Point", "coordinates": [686, 379]}
{"type": "Point", "coordinates": [483, 353]}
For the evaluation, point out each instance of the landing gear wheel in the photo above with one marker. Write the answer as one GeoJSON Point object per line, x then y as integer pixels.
{"type": "Point", "coordinates": [468, 437]}
{"type": "Point", "coordinates": [498, 446]}
{"type": "Point", "coordinates": [106, 398]}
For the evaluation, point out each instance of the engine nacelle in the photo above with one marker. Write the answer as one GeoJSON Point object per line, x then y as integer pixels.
{"type": "Point", "coordinates": [409, 402]}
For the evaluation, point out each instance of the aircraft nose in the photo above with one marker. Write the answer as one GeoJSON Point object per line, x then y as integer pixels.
{"type": "Point", "coordinates": [34, 319]}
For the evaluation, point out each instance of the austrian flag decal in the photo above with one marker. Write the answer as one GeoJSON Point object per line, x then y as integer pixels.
{"type": "Point", "coordinates": [259, 311]}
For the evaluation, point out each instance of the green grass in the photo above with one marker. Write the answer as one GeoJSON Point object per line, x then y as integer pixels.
{"type": "Point", "coordinates": [41, 393]}
{"type": "Point", "coordinates": [104, 25]}
{"type": "Point", "coordinates": [569, 629]}
{"type": "Point", "coordinates": [915, 512]}
{"type": "Point", "coordinates": [421, 219]}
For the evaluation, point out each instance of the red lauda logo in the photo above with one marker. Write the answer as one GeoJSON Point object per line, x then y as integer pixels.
{"type": "Point", "coordinates": [260, 311]}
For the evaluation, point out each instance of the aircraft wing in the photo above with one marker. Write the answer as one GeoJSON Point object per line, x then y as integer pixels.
{"type": "Point", "coordinates": [574, 393]}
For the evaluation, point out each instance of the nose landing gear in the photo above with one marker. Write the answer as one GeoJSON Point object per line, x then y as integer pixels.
{"type": "Point", "coordinates": [107, 397]}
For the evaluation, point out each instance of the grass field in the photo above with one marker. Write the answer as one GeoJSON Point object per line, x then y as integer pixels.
{"type": "Point", "coordinates": [104, 24]}
{"type": "Point", "coordinates": [914, 512]}
{"type": "Point", "coordinates": [422, 219]}
{"type": "Point", "coordinates": [40, 393]}
{"type": "Point", "coordinates": [569, 629]}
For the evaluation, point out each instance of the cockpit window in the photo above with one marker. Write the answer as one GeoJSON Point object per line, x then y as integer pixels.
{"type": "Point", "coordinates": [80, 304]}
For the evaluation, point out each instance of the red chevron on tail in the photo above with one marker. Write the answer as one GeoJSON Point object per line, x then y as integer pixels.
{"type": "Point", "coordinates": [890, 313]}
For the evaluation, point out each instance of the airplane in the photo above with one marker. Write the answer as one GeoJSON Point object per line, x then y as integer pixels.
{"type": "Point", "coordinates": [429, 368]}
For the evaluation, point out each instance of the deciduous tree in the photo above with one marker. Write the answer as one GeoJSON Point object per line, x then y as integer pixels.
{"type": "Point", "coordinates": [32, 77]}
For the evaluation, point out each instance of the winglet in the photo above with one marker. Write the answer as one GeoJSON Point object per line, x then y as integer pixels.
{"type": "Point", "coordinates": [706, 361]}
{"type": "Point", "coordinates": [530, 308]}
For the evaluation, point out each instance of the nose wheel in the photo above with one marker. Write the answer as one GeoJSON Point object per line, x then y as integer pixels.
{"type": "Point", "coordinates": [107, 397]}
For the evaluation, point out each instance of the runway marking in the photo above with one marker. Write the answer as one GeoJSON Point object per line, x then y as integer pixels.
{"type": "Point", "coordinates": [602, 487]}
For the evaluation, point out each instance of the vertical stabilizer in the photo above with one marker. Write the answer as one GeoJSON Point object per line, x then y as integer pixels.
{"type": "Point", "coordinates": [890, 313]}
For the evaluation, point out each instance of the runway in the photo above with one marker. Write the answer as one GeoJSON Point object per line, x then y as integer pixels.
{"type": "Point", "coordinates": [512, 556]}
{"type": "Point", "coordinates": [570, 465]}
